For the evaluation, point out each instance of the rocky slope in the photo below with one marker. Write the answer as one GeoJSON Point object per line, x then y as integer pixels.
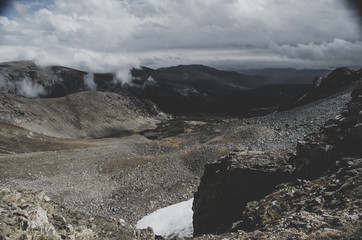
{"type": "Point", "coordinates": [130, 177]}
{"type": "Point", "coordinates": [33, 215]}
{"type": "Point", "coordinates": [14, 139]}
{"type": "Point", "coordinates": [315, 194]}
{"type": "Point", "coordinates": [322, 87]}
{"type": "Point", "coordinates": [83, 115]}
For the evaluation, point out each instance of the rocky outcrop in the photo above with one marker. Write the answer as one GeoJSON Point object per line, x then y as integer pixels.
{"type": "Point", "coordinates": [328, 207]}
{"type": "Point", "coordinates": [322, 87]}
{"type": "Point", "coordinates": [228, 185]}
{"type": "Point", "coordinates": [33, 215]}
{"type": "Point", "coordinates": [318, 196]}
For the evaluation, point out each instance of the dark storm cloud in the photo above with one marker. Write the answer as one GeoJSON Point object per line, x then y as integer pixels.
{"type": "Point", "coordinates": [3, 5]}
{"type": "Point", "coordinates": [356, 7]}
{"type": "Point", "coordinates": [113, 35]}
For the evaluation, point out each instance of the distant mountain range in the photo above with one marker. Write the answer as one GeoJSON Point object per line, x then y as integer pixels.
{"type": "Point", "coordinates": [286, 75]}
{"type": "Point", "coordinates": [184, 89]}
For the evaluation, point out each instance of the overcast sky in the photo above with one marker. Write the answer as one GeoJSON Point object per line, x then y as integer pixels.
{"type": "Point", "coordinates": [111, 35]}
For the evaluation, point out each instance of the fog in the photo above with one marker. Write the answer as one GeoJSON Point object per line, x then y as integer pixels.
{"type": "Point", "coordinates": [23, 87]}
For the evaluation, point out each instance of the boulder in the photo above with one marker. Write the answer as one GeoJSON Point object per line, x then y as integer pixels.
{"type": "Point", "coordinates": [229, 184]}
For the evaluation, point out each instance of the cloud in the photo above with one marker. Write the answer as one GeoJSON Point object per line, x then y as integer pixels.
{"type": "Point", "coordinates": [356, 7]}
{"type": "Point", "coordinates": [113, 35]}
{"type": "Point", "coordinates": [89, 81]}
{"type": "Point", "coordinates": [3, 5]}
{"type": "Point", "coordinates": [24, 87]}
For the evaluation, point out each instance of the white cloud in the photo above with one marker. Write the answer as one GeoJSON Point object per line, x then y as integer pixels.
{"type": "Point", "coordinates": [24, 87]}
{"type": "Point", "coordinates": [89, 81]}
{"type": "Point", "coordinates": [112, 35]}
{"type": "Point", "coordinates": [21, 8]}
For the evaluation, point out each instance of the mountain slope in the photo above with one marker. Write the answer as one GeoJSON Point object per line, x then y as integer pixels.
{"type": "Point", "coordinates": [286, 75]}
{"type": "Point", "coordinates": [82, 115]}
{"type": "Point", "coordinates": [339, 79]}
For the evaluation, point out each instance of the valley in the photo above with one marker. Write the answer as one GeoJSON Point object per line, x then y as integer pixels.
{"type": "Point", "coordinates": [120, 156]}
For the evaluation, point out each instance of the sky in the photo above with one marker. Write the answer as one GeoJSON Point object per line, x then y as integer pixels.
{"type": "Point", "coordinates": [115, 35]}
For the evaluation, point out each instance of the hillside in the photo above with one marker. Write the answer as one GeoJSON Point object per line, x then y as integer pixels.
{"type": "Point", "coordinates": [82, 115]}
{"type": "Point", "coordinates": [286, 75]}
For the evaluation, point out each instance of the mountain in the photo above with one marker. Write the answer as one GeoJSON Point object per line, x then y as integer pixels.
{"type": "Point", "coordinates": [193, 74]}
{"type": "Point", "coordinates": [201, 89]}
{"type": "Point", "coordinates": [286, 75]}
{"type": "Point", "coordinates": [184, 89]}
{"type": "Point", "coordinates": [191, 89]}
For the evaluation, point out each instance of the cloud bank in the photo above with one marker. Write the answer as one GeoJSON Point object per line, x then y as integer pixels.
{"type": "Point", "coordinates": [114, 35]}
{"type": "Point", "coordinates": [24, 87]}
{"type": "Point", "coordinates": [89, 81]}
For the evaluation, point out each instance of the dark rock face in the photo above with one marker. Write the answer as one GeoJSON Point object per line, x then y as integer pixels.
{"type": "Point", "coordinates": [325, 208]}
{"type": "Point", "coordinates": [225, 188]}
{"type": "Point", "coordinates": [239, 193]}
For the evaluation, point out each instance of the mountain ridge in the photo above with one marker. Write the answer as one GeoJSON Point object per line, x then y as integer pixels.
{"type": "Point", "coordinates": [183, 89]}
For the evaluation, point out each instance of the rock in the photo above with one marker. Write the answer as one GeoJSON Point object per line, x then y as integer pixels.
{"type": "Point", "coordinates": [47, 199]}
{"type": "Point", "coordinates": [229, 184]}
{"type": "Point", "coordinates": [359, 118]}
{"type": "Point", "coordinates": [332, 128]}
{"type": "Point", "coordinates": [12, 197]}
{"type": "Point", "coordinates": [282, 214]}
{"type": "Point", "coordinates": [313, 156]}
{"type": "Point", "coordinates": [45, 219]}
{"type": "Point", "coordinates": [357, 131]}
{"type": "Point", "coordinates": [356, 93]}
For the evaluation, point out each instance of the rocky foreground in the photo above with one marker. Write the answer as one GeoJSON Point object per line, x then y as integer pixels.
{"type": "Point", "coordinates": [33, 215]}
{"type": "Point", "coordinates": [314, 194]}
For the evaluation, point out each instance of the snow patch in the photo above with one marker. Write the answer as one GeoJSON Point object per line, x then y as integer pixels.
{"type": "Point", "coordinates": [171, 221]}
{"type": "Point", "coordinates": [150, 81]}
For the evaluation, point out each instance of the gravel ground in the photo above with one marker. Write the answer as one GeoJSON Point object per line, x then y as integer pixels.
{"type": "Point", "coordinates": [132, 176]}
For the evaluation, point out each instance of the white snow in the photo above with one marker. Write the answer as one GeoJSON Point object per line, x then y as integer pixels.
{"type": "Point", "coordinates": [171, 221]}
